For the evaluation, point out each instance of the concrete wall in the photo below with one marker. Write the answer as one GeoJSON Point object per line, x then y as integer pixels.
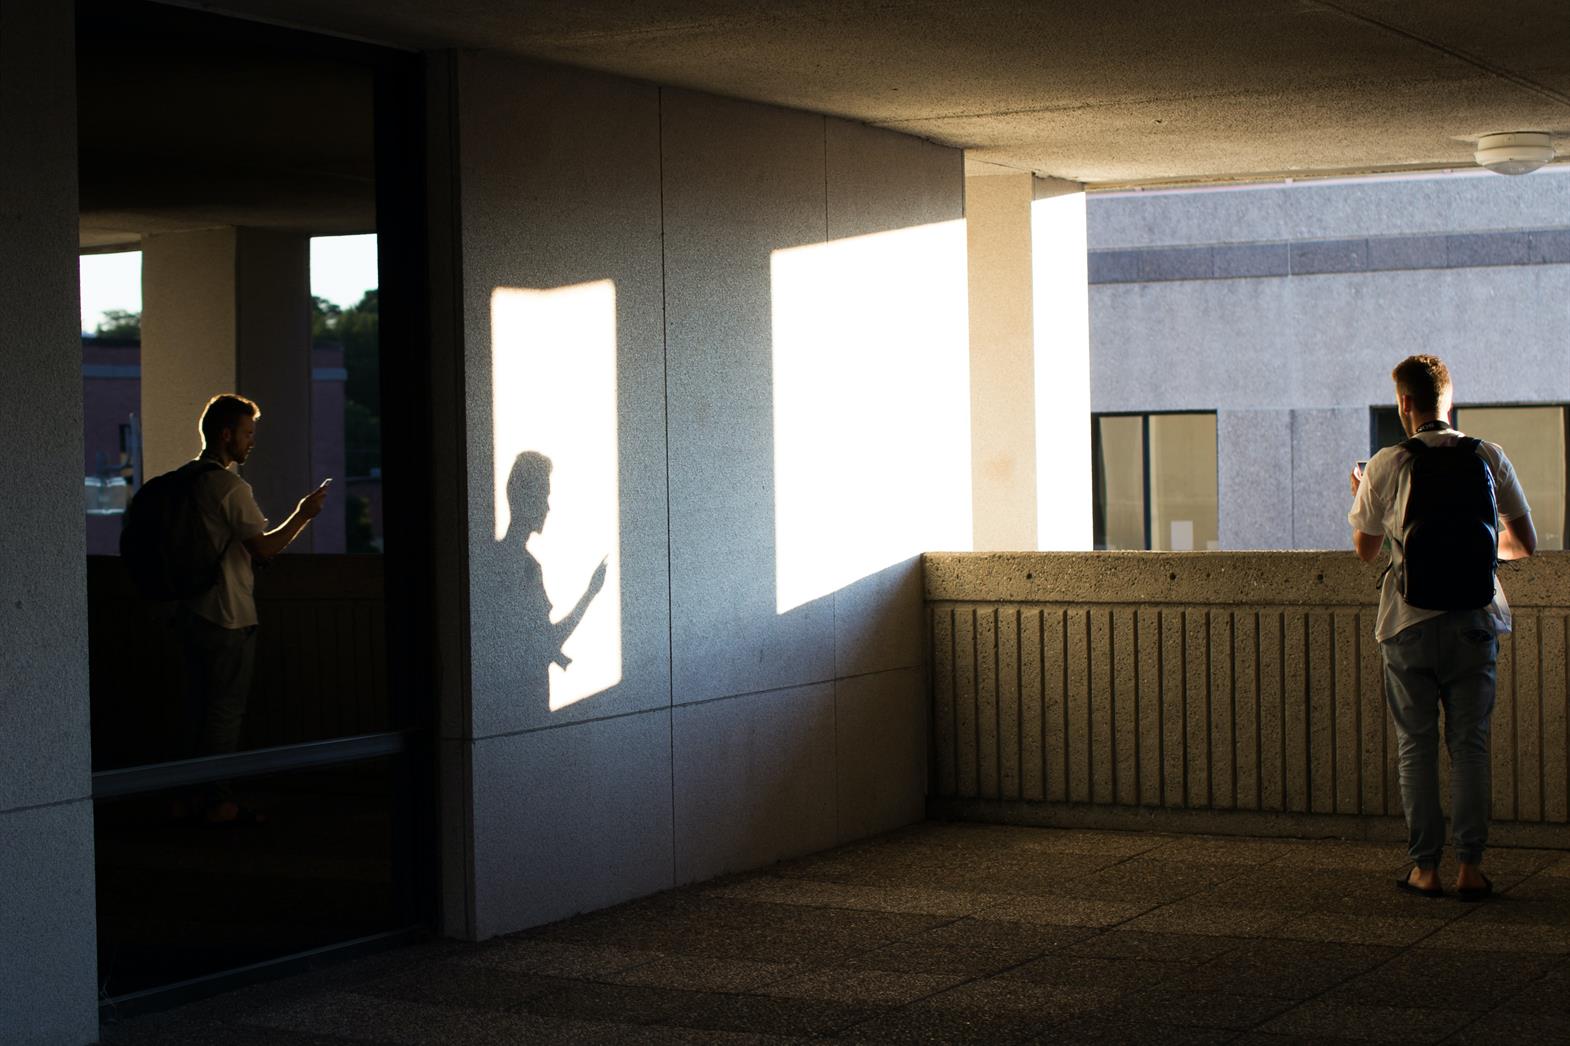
{"type": "Point", "coordinates": [719, 712]}
{"type": "Point", "coordinates": [47, 949]}
{"type": "Point", "coordinates": [1284, 309]}
{"type": "Point", "coordinates": [1213, 691]}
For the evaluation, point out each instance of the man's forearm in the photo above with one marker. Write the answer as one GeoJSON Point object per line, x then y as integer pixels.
{"type": "Point", "coordinates": [274, 541]}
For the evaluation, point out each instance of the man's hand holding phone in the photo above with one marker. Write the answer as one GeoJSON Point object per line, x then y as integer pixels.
{"type": "Point", "coordinates": [1357, 476]}
{"type": "Point", "coordinates": [311, 505]}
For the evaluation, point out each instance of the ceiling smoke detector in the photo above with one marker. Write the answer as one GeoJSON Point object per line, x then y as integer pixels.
{"type": "Point", "coordinates": [1514, 152]}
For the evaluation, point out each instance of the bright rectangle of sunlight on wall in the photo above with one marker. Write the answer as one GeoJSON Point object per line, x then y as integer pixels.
{"type": "Point", "coordinates": [553, 365]}
{"type": "Point", "coordinates": [1061, 308]}
{"type": "Point", "coordinates": [871, 406]}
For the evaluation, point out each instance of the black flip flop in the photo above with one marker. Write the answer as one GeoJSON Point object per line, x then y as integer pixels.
{"type": "Point", "coordinates": [1406, 886]}
{"type": "Point", "coordinates": [1477, 893]}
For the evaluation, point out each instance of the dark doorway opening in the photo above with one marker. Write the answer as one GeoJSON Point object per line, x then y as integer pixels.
{"type": "Point", "coordinates": [190, 123]}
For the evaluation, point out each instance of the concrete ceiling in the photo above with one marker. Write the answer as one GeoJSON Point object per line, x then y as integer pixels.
{"type": "Point", "coordinates": [175, 136]}
{"type": "Point", "coordinates": [1110, 93]}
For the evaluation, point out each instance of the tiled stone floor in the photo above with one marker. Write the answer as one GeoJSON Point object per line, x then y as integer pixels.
{"type": "Point", "coordinates": [974, 933]}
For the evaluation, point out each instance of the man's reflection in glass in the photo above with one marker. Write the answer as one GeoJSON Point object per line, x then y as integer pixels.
{"type": "Point", "coordinates": [540, 639]}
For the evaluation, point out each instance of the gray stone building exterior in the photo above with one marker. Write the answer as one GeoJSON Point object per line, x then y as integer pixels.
{"type": "Point", "coordinates": [1283, 307]}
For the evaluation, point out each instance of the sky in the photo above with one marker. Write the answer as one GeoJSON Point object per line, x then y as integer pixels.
{"type": "Point", "coordinates": [343, 268]}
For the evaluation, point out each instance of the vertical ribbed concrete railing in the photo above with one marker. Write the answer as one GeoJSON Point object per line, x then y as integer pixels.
{"type": "Point", "coordinates": [1221, 690]}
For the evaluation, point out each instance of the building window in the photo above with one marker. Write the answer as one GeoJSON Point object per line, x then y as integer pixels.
{"type": "Point", "coordinates": [1155, 481]}
{"type": "Point", "coordinates": [1534, 439]}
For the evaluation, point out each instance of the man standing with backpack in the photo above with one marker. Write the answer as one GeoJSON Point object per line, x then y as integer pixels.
{"type": "Point", "coordinates": [217, 621]}
{"type": "Point", "coordinates": [1440, 497]}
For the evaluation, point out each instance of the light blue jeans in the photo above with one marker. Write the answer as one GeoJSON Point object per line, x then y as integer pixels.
{"type": "Point", "coordinates": [1445, 662]}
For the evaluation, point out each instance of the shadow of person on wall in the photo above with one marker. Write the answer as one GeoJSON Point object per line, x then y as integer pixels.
{"type": "Point", "coordinates": [540, 639]}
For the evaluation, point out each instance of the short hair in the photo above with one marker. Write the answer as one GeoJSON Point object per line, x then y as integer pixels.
{"type": "Point", "coordinates": [224, 411]}
{"type": "Point", "coordinates": [1425, 378]}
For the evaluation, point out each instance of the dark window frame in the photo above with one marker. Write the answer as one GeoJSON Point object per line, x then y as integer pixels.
{"type": "Point", "coordinates": [1098, 476]}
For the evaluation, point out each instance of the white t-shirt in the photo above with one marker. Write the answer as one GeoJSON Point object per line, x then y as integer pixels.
{"type": "Point", "coordinates": [229, 509]}
{"type": "Point", "coordinates": [1380, 504]}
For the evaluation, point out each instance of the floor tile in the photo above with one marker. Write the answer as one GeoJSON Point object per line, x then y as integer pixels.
{"type": "Point", "coordinates": [1504, 1027]}
{"type": "Point", "coordinates": [1026, 999]}
{"type": "Point", "coordinates": [1122, 975]}
{"type": "Point", "coordinates": [1115, 1031]}
{"type": "Point", "coordinates": [970, 946]}
{"type": "Point", "coordinates": [1062, 911]}
{"type": "Point", "coordinates": [1198, 1009]}
{"type": "Point", "coordinates": [1160, 947]}
{"type": "Point", "coordinates": [1339, 927]}
{"type": "Point", "coordinates": [1373, 1023]}
{"type": "Point", "coordinates": [866, 987]}
{"type": "Point", "coordinates": [703, 974]}
{"type": "Point", "coordinates": [767, 1015]}
{"type": "Point", "coordinates": [1463, 980]}
{"type": "Point", "coordinates": [1192, 918]}
{"type": "Point", "coordinates": [923, 1024]}
{"type": "Point", "coordinates": [1295, 970]}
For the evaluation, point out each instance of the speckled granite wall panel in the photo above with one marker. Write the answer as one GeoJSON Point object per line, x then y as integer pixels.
{"type": "Point", "coordinates": [584, 220]}
{"type": "Point", "coordinates": [1211, 681]}
{"type": "Point", "coordinates": [48, 987]}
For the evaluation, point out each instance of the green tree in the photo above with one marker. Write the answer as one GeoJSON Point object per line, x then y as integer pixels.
{"type": "Point", "coordinates": [324, 319]}
{"type": "Point", "coordinates": [358, 331]}
{"type": "Point", "coordinates": [119, 323]}
{"type": "Point", "coordinates": [355, 330]}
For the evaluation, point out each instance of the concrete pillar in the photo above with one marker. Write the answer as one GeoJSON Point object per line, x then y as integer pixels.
{"type": "Point", "coordinates": [1060, 284]}
{"type": "Point", "coordinates": [1002, 360]}
{"type": "Point", "coordinates": [228, 310]}
{"type": "Point", "coordinates": [1030, 361]}
{"type": "Point", "coordinates": [48, 962]}
{"type": "Point", "coordinates": [273, 367]}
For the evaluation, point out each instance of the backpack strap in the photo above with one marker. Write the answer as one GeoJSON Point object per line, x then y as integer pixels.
{"type": "Point", "coordinates": [194, 470]}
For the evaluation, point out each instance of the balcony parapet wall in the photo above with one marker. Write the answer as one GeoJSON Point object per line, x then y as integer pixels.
{"type": "Point", "coordinates": [1212, 691]}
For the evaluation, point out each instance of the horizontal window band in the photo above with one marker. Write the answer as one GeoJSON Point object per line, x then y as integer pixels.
{"type": "Point", "coordinates": [1229, 261]}
{"type": "Point", "coordinates": [184, 773]}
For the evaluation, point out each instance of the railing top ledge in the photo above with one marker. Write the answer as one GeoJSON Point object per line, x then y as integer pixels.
{"type": "Point", "coordinates": [1317, 578]}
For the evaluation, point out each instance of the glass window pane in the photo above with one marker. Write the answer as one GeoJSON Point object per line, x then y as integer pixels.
{"type": "Point", "coordinates": [1387, 429]}
{"type": "Point", "coordinates": [319, 663]}
{"type": "Point", "coordinates": [1534, 440]}
{"type": "Point", "coordinates": [178, 900]}
{"type": "Point", "coordinates": [1183, 513]}
{"type": "Point", "coordinates": [1120, 482]}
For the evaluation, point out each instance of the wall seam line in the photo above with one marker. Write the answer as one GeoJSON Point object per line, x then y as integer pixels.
{"type": "Point", "coordinates": [1112, 705]}
{"type": "Point", "coordinates": [1337, 698]}
{"type": "Point", "coordinates": [1063, 703]}
{"type": "Point", "coordinates": [1161, 709]}
{"type": "Point", "coordinates": [1232, 693]}
{"type": "Point", "coordinates": [1259, 708]}
{"type": "Point", "coordinates": [665, 368]}
{"type": "Point", "coordinates": [1183, 664]}
{"type": "Point", "coordinates": [1542, 771]}
{"type": "Point", "coordinates": [1357, 704]}
{"type": "Point", "coordinates": [26, 808]}
{"type": "Point", "coordinates": [1139, 793]}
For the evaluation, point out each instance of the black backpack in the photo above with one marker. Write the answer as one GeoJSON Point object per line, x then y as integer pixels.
{"type": "Point", "coordinates": [1449, 545]}
{"type": "Point", "coordinates": [164, 542]}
